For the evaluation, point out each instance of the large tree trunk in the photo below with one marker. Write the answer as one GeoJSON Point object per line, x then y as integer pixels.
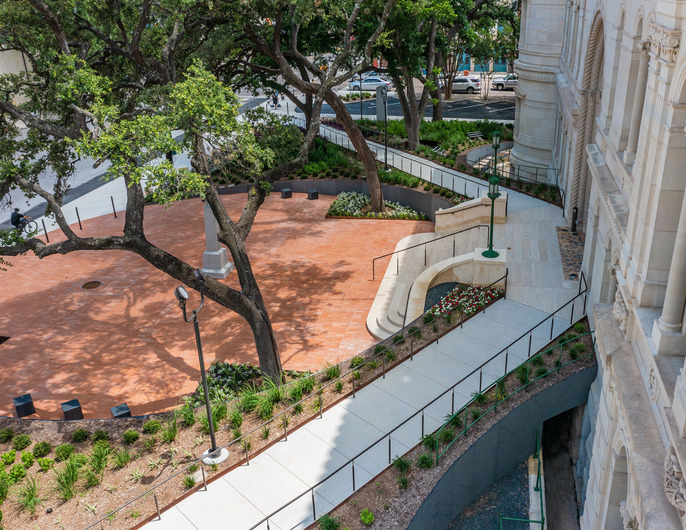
{"type": "Point", "coordinates": [437, 105]}
{"type": "Point", "coordinates": [360, 144]}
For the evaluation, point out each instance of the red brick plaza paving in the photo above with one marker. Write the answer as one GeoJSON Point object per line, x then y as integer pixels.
{"type": "Point", "coordinates": [126, 341]}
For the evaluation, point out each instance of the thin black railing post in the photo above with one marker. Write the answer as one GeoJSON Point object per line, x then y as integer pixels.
{"type": "Point", "coordinates": [78, 217]}
{"type": "Point", "coordinates": [422, 423]}
{"type": "Point", "coordinates": [552, 323]}
{"type": "Point", "coordinates": [353, 467]}
{"type": "Point", "coordinates": [314, 513]}
{"type": "Point", "coordinates": [481, 376]}
{"type": "Point", "coordinates": [571, 318]}
{"type": "Point", "coordinates": [114, 210]}
{"type": "Point", "coordinates": [47, 239]}
{"type": "Point", "coordinates": [389, 448]}
{"type": "Point", "coordinates": [157, 507]}
{"type": "Point", "coordinates": [507, 353]}
{"type": "Point", "coordinates": [452, 403]}
{"type": "Point", "coordinates": [530, 335]}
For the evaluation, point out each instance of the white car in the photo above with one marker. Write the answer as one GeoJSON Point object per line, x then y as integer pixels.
{"type": "Point", "coordinates": [370, 83]}
{"type": "Point", "coordinates": [463, 83]}
{"type": "Point", "coordinates": [508, 81]}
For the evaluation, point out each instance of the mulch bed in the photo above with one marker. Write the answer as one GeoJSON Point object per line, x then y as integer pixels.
{"type": "Point", "coordinates": [572, 251]}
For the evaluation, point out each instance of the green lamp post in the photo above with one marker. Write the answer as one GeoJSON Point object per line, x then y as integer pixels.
{"type": "Point", "coordinates": [493, 194]}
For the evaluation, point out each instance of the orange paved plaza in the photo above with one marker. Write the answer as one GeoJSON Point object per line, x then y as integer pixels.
{"type": "Point", "coordinates": [126, 341]}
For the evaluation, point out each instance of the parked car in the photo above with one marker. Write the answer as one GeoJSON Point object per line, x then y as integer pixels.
{"type": "Point", "coordinates": [370, 83]}
{"type": "Point", "coordinates": [508, 81]}
{"type": "Point", "coordinates": [463, 83]}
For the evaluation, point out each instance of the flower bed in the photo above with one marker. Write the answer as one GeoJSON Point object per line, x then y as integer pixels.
{"type": "Point", "coordinates": [353, 204]}
{"type": "Point", "coordinates": [468, 300]}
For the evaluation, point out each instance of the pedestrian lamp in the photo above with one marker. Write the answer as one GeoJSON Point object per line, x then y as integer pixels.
{"type": "Point", "coordinates": [213, 455]}
{"type": "Point", "coordinates": [493, 194]}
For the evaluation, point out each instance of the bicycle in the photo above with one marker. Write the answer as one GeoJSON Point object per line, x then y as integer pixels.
{"type": "Point", "coordinates": [29, 227]}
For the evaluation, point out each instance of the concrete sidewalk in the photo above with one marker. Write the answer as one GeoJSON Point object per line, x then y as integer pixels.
{"type": "Point", "coordinates": [244, 496]}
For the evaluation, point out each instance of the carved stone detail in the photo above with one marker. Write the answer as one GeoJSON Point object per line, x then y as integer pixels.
{"type": "Point", "coordinates": [675, 486]}
{"type": "Point", "coordinates": [652, 384]}
{"type": "Point", "coordinates": [619, 311]}
{"type": "Point", "coordinates": [644, 48]}
{"type": "Point", "coordinates": [630, 522]}
{"type": "Point", "coordinates": [664, 42]}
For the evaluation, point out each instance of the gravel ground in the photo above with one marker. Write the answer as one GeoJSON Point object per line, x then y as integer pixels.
{"type": "Point", "coordinates": [509, 496]}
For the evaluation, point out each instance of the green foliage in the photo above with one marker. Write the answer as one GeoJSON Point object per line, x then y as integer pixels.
{"type": "Point", "coordinates": [41, 449]}
{"type": "Point", "coordinates": [236, 417]}
{"type": "Point", "coordinates": [21, 441]}
{"type": "Point", "coordinates": [338, 386]}
{"type": "Point", "coordinates": [402, 483]}
{"type": "Point", "coordinates": [356, 361]}
{"type": "Point", "coordinates": [428, 318]}
{"type": "Point", "coordinates": [188, 481]}
{"type": "Point", "coordinates": [307, 384]}
{"type": "Point", "coordinates": [149, 443]}
{"type": "Point", "coordinates": [366, 517]}
{"type": "Point", "coordinates": [540, 372]}
{"type": "Point", "coordinates": [28, 494]}
{"type": "Point", "coordinates": [100, 436]}
{"type": "Point", "coordinates": [479, 398]}
{"type": "Point", "coordinates": [523, 374]}
{"type": "Point", "coordinates": [171, 429]}
{"type": "Point", "coordinates": [579, 327]}
{"type": "Point", "coordinates": [398, 339]}
{"type": "Point", "coordinates": [187, 415]}
{"type": "Point", "coordinates": [17, 473]}
{"type": "Point", "coordinates": [414, 332]}
{"type": "Point", "coordinates": [130, 436]}
{"type": "Point", "coordinates": [401, 464]}
{"type": "Point", "coordinates": [219, 411]}
{"type": "Point", "coordinates": [63, 452]}
{"type": "Point", "coordinates": [9, 457]}
{"type": "Point", "coordinates": [28, 459]}
{"type": "Point", "coordinates": [151, 426]}
{"type": "Point", "coordinates": [205, 424]}
{"type": "Point", "coordinates": [537, 361]}
{"type": "Point", "coordinates": [45, 463]}
{"type": "Point", "coordinates": [476, 414]}
{"type": "Point", "coordinates": [332, 372]}
{"type": "Point", "coordinates": [80, 435]}
{"type": "Point", "coordinates": [121, 458]}
{"type": "Point", "coordinates": [4, 486]}
{"type": "Point", "coordinates": [425, 461]}
{"type": "Point", "coordinates": [430, 441]}
{"type": "Point", "coordinates": [446, 435]}
{"type": "Point", "coordinates": [6, 435]}
{"type": "Point", "coordinates": [248, 398]}
{"type": "Point", "coordinates": [328, 522]}
{"type": "Point", "coordinates": [66, 479]}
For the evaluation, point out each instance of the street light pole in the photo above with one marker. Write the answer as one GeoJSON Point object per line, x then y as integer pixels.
{"type": "Point", "coordinates": [493, 194]}
{"type": "Point", "coordinates": [212, 455]}
{"type": "Point", "coordinates": [385, 129]}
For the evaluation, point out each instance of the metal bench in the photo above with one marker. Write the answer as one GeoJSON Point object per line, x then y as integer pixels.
{"type": "Point", "coordinates": [475, 135]}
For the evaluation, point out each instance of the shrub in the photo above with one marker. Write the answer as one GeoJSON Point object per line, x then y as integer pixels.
{"type": "Point", "coordinates": [425, 461]}
{"type": "Point", "coordinates": [4, 487]}
{"type": "Point", "coordinates": [379, 348]}
{"type": "Point", "coordinates": [523, 374]}
{"type": "Point", "coordinates": [41, 449]}
{"type": "Point", "coordinates": [332, 372]}
{"type": "Point", "coordinates": [402, 465]}
{"type": "Point", "coordinates": [188, 481]}
{"type": "Point", "coordinates": [479, 398]}
{"type": "Point", "coordinates": [100, 436]}
{"type": "Point", "coordinates": [579, 327]}
{"type": "Point", "coordinates": [27, 459]}
{"type": "Point", "coordinates": [63, 452]}
{"type": "Point", "coordinates": [307, 384]}
{"type": "Point", "coordinates": [219, 412]}
{"type": "Point", "coordinates": [414, 332]}
{"type": "Point", "coordinates": [130, 436]}
{"type": "Point", "coordinates": [476, 414]}
{"type": "Point", "coordinates": [338, 386]}
{"type": "Point", "coordinates": [390, 356]}
{"type": "Point", "coordinates": [327, 522]}
{"type": "Point", "coordinates": [66, 479]}
{"type": "Point", "coordinates": [540, 372]}
{"type": "Point", "coordinates": [428, 318]}
{"type": "Point", "coordinates": [121, 458]}
{"type": "Point", "coordinates": [151, 426]}
{"type": "Point", "coordinates": [236, 417]}
{"type": "Point", "coordinates": [187, 415]}
{"type": "Point", "coordinates": [80, 435]}
{"type": "Point", "coordinates": [537, 361]}
{"type": "Point", "coordinates": [447, 435]}
{"type": "Point", "coordinates": [45, 463]}
{"type": "Point", "coordinates": [149, 443]}
{"type": "Point", "coordinates": [579, 348]}
{"type": "Point", "coordinates": [21, 441]}
{"type": "Point", "coordinates": [17, 473]}
{"type": "Point", "coordinates": [28, 495]}
{"type": "Point", "coordinates": [430, 442]}
{"type": "Point", "coordinates": [6, 435]}
{"type": "Point", "coordinates": [171, 428]}
{"type": "Point", "coordinates": [402, 483]}
{"type": "Point", "coordinates": [9, 457]}
{"type": "Point", "coordinates": [366, 517]}
{"type": "Point", "coordinates": [398, 339]}
{"type": "Point", "coordinates": [205, 424]}
{"type": "Point", "coordinates": [356, 361]}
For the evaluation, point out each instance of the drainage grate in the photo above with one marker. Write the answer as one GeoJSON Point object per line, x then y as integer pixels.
{"type": "Point", "coordinates": [91, 285]}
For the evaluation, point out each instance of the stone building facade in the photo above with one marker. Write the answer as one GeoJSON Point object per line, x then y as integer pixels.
{"type": "Point", "coordinates": [602, 98]}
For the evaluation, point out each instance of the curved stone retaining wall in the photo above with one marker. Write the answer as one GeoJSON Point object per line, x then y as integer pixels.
{"type": "Point", "coordinates": [499, 450]}
{"type": "Point", "coordinates": [418, 200]}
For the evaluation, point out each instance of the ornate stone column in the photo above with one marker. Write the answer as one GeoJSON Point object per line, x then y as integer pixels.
{"type": "Point", "coordinates": [639, 98]}
{"type": "Point", "coordinates": [215, 259]}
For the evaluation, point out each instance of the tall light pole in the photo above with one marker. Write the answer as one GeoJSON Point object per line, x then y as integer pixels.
{"type": "Point", "coordinates": [385, 128]}
{"type": "Point", "coordinates": [213, 455]}
{"type": "Point", "coordinates": [493, 194]}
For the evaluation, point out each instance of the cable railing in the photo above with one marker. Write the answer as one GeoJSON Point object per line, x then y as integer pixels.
{"type": "Point", "coordinates": [488, 228]}
{"type": "Point", "coordinates": [419, 413]}
{"type": "Point", "coordinates": [425, 170]}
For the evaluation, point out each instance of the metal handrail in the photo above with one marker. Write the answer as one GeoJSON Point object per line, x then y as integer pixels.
{"type": "Point", "coordinates": [388, 435]}
{"type": "Point", "coordinates": [431, 241]}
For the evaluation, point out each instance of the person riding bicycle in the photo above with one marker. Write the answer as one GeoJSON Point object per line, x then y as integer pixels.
{"type": "Point", "coordinates": [18, 220]}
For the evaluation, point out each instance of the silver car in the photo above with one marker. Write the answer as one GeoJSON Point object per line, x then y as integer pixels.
{"type": "Point", "coordinates": [370, 83]}
{"type": "Point", "coordinates": [463, 83]}
{"type": "Point", "coordinates": [508, 81]}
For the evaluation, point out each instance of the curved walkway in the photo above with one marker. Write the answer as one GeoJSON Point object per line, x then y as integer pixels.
{"type": "Point", "coordinates": [536, 287]}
